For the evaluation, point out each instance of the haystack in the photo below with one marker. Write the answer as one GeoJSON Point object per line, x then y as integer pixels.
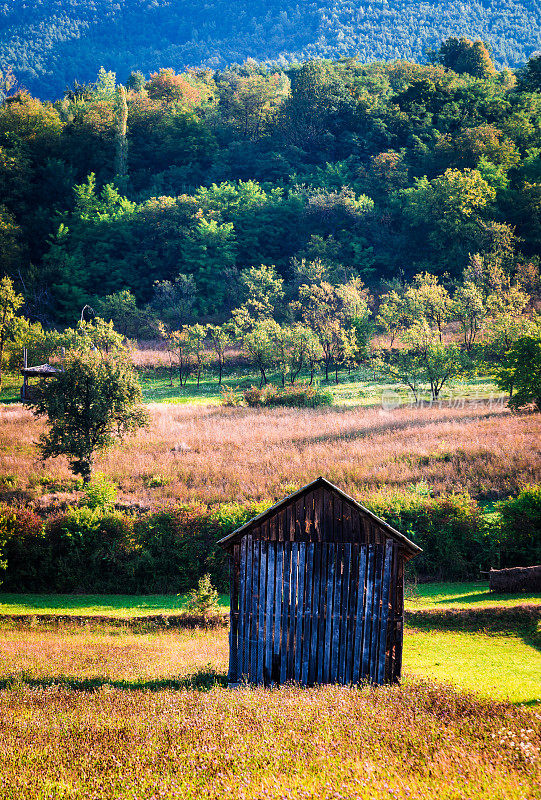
{"type": "Point", "coordinates": [515, 579]}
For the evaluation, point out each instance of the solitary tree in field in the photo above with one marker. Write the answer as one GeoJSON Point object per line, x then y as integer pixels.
{"type": "Point", "coordinates": [93, 401]}
{"type": "Point", "coordinates": [221, 336]}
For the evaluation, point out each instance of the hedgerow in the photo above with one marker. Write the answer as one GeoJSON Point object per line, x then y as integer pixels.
{"type": "Point", "coordinates": [98, 551]}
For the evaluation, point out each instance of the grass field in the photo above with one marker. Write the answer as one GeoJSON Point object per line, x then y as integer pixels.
{"type": "Point", "coordinates": [114, 714]}
{"type": "Point", "coordinates": [497, 666]}
{"type": "Point", "coordinates": [360, 388]}
{"type": "Point", "coordinates": [421, 596]}
{"type": "Point", "coordinates": [415, 741]}
{"type": "Point", "coordinates": [213, 454]}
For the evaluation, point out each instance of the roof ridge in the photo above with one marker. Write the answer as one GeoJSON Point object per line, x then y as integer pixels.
{"type": "Point", "coordinates": [320, 480]}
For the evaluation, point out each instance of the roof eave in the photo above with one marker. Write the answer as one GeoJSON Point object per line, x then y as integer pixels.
{"type": "Point", "coordinates": [407, 543]}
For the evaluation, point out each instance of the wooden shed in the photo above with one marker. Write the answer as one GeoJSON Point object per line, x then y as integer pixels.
{"type": "Point", "coordinates": [41, 371]}
{"type": "Point", "coordinates": [317, 592]}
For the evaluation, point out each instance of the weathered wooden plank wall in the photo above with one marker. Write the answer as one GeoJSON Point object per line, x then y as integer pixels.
{"type": "Point", "coordinates": [316, 597]}
{"type": "Point", "coordinates": [312, 613]}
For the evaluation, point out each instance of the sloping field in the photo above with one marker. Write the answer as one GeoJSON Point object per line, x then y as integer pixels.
{"type": "Point", "coordinates": [238, 454]}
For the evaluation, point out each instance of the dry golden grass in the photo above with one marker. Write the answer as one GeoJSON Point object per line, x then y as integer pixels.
{"type": "Point", "coordinates": [229, 454]}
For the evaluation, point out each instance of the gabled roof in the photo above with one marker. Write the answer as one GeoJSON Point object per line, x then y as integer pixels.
{"type": "Point", "coordinates": [320, 483]}
{"type": "Point", "coordinates": [41, 370]}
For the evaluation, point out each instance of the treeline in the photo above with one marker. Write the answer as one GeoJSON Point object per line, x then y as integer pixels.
{"type": "Point", "coordinates": [94, 550]}
{"type": "Point", "coordinates": [375, 171]}
{"type": "Point", "coordinates": [422, 335]}
{"type": "Point", "coordinates": [48, 43]}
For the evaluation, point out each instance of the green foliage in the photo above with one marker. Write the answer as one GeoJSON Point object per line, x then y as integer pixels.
{"type": "Point", "coordinates": [520, 373]}
{"type": "Point", "coordinates": [463, 55]}
{"type": "Point", "coordinates": [92, 401]}
{"type": "Point", "coordinates": [92, 550]}
{"type": "Point", "coordinates": [155, 204]}
{"type": "Point", "coordinates": [100, 493]}
{"type": "Point", "coordinates": [300, 395]}
{"type": "Point", "coordinates": [45, 59]}
{"type": "Point", "coordinates": [521, 528]}
{"type": "Point", "coordinates": [10, 303]}
{"type": "Point", "coordinates": [455, 539]}
{"type": "Point", "coordinates": [204, 599]}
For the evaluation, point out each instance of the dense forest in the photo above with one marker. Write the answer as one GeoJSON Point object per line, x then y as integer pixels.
{"type": "Point", "coordinates": [329, 170]}
{"type": "Point", "coordinates": [50, 42]}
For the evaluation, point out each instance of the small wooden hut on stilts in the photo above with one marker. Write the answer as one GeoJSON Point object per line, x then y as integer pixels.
{"type": "Point", "coordinates": [317, 592]}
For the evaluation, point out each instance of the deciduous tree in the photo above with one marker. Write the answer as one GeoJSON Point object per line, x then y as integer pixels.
{"type": "Point", "coordinates": [94, 400]}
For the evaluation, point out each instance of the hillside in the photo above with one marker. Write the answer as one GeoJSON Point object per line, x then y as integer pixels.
{"type": "Point", "coordinates": [50, 43]}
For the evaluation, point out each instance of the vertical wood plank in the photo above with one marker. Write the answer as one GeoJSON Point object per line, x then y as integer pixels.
{"type": "Point", "coordinates": [327, 517]}
{"type": "Point", "coordinates": [318, 515]}
{"type": "Point", "coordinates": [316, 584]}
{"type": "Point", "coordinates": [261, 611]}
{"type": "Point", "coordinates": [356, 526]}
{"type": "Point", "coordinates": [285, 612]}
{"type": "Point", "coordinates": [269, 613]}
{"type": "Point", "coordinates": [293, 611]}
{"type": "Point", "coordinates": [281, 525]}
{"type": "Point", "coordinates": [278, 594]}
{"type": "Point", "coordinates": [347, 522]}
{"type": "Point", "coordinates": [256, 562]}
{"type": "Point", "coordinates": [380, 678]}
{"type": "Point", "coordinates": [332, 557]}
{"type": "Point", "coordinates": [359, 614]}
{"type": "Point", "coordinates": [247, 665]}
{"type": "Point", "coordinates": [367, 615]}
{"type": "Point", "coordinates": [299, 520]}
{"type": "Point", "coordinates": [344, 604]}
{"type": "Point", "coordinates": [307, 522]}
{"type": "Point", "coordinates": [300, 611]}
{"type": "Point", "coordinates": [324, 546]}
{"type": "Point", "coordinates": [338, 520]}
{"type": "Point", "coordinates": [352, 604]}
{"type": "Point", "coordinates": [376, 612]}
{"type": "Point", "coordinates": [336, 612]}
{"type": "Point", "coordinates": [307, 612]}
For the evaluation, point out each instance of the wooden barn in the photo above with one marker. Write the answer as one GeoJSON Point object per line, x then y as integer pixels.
{"type": "Point", "coordinates": [317, 592]}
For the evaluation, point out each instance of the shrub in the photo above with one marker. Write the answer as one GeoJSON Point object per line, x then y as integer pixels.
{"type": "Point", "coordinates": [204, 599]}
{"type": "Point", "coordinates": [231, 397]}
{"type": "Point", "coordinates": [100, 493]}
{"type": "Point", "coordinates": [254, 396]}
{"type": "Point", "coordinates": [520, 520]}
{"type": "Point", "coordinates": [168, 551]}
{"type": "Point", "coordinates": [299, 395]}
{"type": "Point", "coordinates": [456, 540]}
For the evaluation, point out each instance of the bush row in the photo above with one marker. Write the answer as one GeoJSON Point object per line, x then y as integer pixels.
{"type": "Point", "coordinates": [92, 551]}
{"type": "Point", "coordinates": [300, 395]}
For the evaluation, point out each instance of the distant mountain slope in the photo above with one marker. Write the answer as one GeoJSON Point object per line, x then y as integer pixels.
{"type": "Point", "coordinates": [50, 43]}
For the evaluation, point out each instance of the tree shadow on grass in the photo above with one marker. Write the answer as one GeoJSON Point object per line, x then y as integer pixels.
{"type": "Point", "coordinates": [482, 596]}
{"type": "Point", "coordinates": [203, 681]}
{"type": "Point", "coordinates": [391, 424]}
{"type": "Point", "coordinates": [527, 629]}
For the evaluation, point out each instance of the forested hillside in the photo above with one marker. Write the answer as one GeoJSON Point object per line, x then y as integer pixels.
{"type": "Point", "coordinates": [334, 169]}
{"type": "Point", "coordinates": [51, 42]}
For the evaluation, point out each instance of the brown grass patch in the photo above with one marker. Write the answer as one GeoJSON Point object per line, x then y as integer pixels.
{"type": "Point", "coordinates": [260, 454]}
